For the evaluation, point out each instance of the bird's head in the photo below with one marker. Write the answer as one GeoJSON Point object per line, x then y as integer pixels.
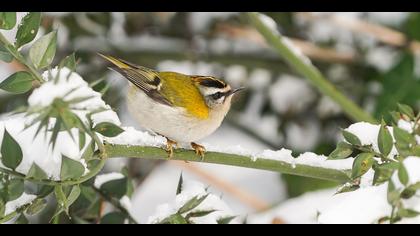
{"type": "Point", "coordinates": [216, 93]}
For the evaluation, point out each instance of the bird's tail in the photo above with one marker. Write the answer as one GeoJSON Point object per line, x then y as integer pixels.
{"type": "Point", "coordinates": [119, 63]}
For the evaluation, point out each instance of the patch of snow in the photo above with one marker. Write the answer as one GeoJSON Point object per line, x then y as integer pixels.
{"type": "Point", "coordinates": [363, 206]}
{"type": "Point", "coordinates": [303, 136]}
{"type": "Point", "coordinates": [406, 125]}
{"type": "Point", "coordinates": [201, 20]}
{"type": "Point", "coordinates": [259, 79]}
{"type": "Point", "coordinates": [388, 18]}
{"type": "Point", "coordinates": [300, 210]}
{"type": "Point", "coordinates": [327, 107]}
{"type": "Point", "coordinates": [38, 150]}
{"type": "Point", "coordinates": [307, 158]}
{"type": "Point", "coordinates": [291, 94]}
{"type": "Point", "coordinates": [104, 178]}
{"type": "Point", "coordinates": [190, 190]}
{"type": "Point", "coordinates": [382, 58]}
{"type": "Point", "coordinates": [19, 202]}
{"type": "Point", "coordinates": [131, 136]}
{"type": "Point", "coordinates": [236, 75]}
{"type": "Point", "coordinates": [126, 203]}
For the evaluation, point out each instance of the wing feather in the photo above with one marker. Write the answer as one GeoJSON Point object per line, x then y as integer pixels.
{"type": "Point", "coordinates": [144, 78]}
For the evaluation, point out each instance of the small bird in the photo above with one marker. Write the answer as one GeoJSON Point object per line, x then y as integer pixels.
{"type": "Point", "coordinates": [182, 108]}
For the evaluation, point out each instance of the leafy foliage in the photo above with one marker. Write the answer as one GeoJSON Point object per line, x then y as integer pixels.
{"type": "Point", "coordinates": [383, 164]}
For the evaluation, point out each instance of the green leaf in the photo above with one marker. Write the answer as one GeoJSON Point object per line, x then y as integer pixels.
{"type": "Point", "coordinates": [225, 220]}
{"type": "Point", "coordinates": [43, 50]}
{"type": "Point", "coordinates": [393, 194]}
{"type": "Point", "coordinates": [35, 172]}
{"type": "Point", "coordinates": [179, 187]}
{"type": "Point", "coordinates": [197, 214]}
{"type": "Point", "coordinates": [71, 169]}
{"type": "Point", "coordinates": [44, 190]}
{"type": "Point", "coordinates": [7, 20]}
{"type": "Point", "coordinates": [410, 191]}
{"type": "Point", "coordinates": [22, 220]}
{"type": "Point", "coordinates": [113, 218]}
{"type": "Point", "coordinates": [406, 110]}
{"type": "Point", "coordinates": [116, 188]}
{"type": "Point", "coordinates": [174, 219]}
{"type": "Point", "coordinates": [69, 62]}
{"type": "Point", "coordinates": [82, 139]}
{"type": "Point", "coordinates": [361, 164]}
{"type": "Point", "coordinates": [191, 204]}
{"type": "Point", "coordinates": [28, 29]}
{"type": "Point", "coordinates": [396, 116]}
{"type": "Point", "coordinates": [351, 138]}
{"type": "Point", "coordinates": [74, 195]}
{"type": "Point", "coordinates": [5, 55]}
{"type": "Point", "coordinates": [403, 137]}
{"type": "Point", "coordinates": [342, 151]}
{"type": "Point", "coordinates": [37, 206]}
{"type": "Point", "coordinates": [16, 189]}
{"type": "Point", "coordinates": [108, 129]}
{"type": "Point", "coordinates": [404, 141]}
{"type": "Point", "coordinates": [10, 151]}
{"type": "Point", "coordinates": [18, 83]}
{"type": "Point", "coordinates": [407, 193]}
{"type": "Point", "coordinates": [408, 213]}
{"type": "Point", "coordinates": [2, 208]}
{"type": "Point", "coordinates": [416, 151]}
{"type": "Point", "coordinates": [385, 141]}
{"type": "Point", "coordinates": [61, 200]}
{"type": "Point", "coordinates": [89, 151]}
{"type": "Point", "coordinates": [384, 172]}
{"type": "Point", "coordinates": [402, 174]}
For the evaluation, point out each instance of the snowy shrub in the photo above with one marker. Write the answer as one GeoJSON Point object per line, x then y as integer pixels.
{"type": "Point", "coordinates": [385, 155]}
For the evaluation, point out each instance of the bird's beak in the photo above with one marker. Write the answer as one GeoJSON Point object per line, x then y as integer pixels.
{"type": "Point", "coordinates": [232, 92]}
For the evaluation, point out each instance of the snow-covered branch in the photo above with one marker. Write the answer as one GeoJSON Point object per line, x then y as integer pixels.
{"type": "Point", "coordinates": [138, 144]}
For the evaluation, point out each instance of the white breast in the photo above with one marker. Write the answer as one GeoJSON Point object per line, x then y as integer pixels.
{"type": "Point", "coordinates": [172, 122]}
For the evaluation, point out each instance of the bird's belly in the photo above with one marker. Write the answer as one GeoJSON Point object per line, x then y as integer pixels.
{"type": "Point", "coordinates": [171, 122]}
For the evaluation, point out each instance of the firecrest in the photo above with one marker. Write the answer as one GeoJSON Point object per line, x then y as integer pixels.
{"type": "Point", "coordinates": [182, 108]}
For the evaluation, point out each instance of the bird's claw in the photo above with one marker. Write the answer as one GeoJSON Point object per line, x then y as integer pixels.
{"type": "Point", "coordinates": [170, 147]}
{"type": "Point", "coordinates": [199, 150]}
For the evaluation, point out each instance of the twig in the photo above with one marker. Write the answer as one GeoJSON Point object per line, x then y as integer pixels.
{"type": "Point", "coordinates": [242, 195]}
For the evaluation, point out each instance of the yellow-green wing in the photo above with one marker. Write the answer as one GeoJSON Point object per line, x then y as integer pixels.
{"type": "Point", "coordinates": [144, 78]}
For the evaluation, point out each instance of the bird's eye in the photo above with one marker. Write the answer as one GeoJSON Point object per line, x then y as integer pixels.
{"type": "Point", "coordinates": [217, 95]}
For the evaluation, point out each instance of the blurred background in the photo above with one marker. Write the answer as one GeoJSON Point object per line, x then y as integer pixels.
{"type": "Point", "coordinates": [370, 57]}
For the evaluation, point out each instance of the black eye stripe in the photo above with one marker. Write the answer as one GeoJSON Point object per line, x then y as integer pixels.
{"type": "Point", "coordinates": [217, 95]}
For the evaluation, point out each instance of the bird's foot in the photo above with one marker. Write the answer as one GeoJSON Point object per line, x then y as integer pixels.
{"type": "Point", "coordinates": [199, 150]}
{"type": "Point", "coordinates": [170, 147]}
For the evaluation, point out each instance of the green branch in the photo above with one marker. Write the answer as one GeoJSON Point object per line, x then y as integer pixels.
{"type": "Point", "coordinates": [309, 71]}
{"type": "Point", "coordinates": [16, 54]}
{"type": "Point", "coordinates": [156, 153]}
